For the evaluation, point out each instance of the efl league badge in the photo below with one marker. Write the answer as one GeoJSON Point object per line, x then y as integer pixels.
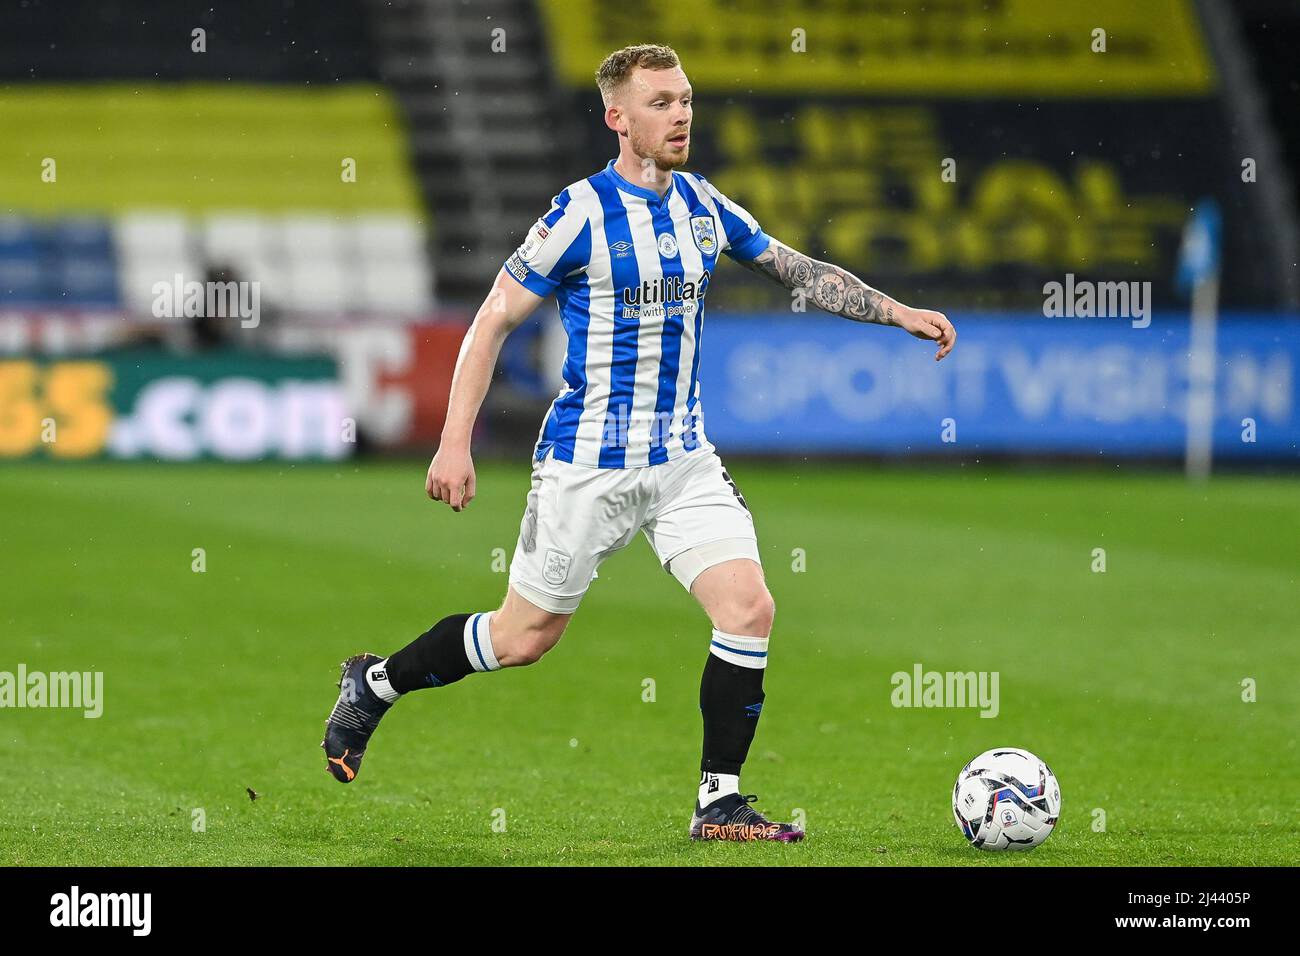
{"type": "Point", "coordinates": [533, 243]}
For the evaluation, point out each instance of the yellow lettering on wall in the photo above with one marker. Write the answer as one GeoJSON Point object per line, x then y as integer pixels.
{"type": "Point", "coordinates": [20, 413]}
{"type": "Point", "coordinates": [73, 394]}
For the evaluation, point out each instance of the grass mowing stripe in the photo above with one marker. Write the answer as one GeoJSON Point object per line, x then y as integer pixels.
{"type": "Point", "coordinates": [1127, 682]}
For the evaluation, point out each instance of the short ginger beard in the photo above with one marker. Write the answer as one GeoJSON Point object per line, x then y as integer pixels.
{"type": "Point", "coordinates": [657, 152]}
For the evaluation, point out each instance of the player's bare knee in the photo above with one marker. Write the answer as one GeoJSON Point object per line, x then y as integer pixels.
{"type": "Point", "coordinates": [526, 643]}
{"type": "Point", "coordinates": [761, 612]}
{"type": "Point", "coordinates": [751, 613]}
{"type": "Point", "coordinates": [530, 648]}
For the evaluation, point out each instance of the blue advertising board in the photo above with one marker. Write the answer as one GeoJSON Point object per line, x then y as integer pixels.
{"type": "Point", "coordinates": [1014, 383]}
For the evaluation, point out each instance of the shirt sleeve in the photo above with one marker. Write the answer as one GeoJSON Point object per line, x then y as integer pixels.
{"type": "Point", "coordinates": [743, 238]}
{"type": "Point", "coordinates": [558, 245]}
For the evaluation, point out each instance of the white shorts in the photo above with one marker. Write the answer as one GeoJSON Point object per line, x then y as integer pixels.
{"type": "Point", "coordinates": [689, 509]}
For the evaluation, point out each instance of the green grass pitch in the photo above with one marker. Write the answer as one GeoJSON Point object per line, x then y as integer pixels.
{"type": "Point", "coordinates": [1129, 682]}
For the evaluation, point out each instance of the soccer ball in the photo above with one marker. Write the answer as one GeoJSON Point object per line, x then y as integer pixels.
{"type": "Point", "coordinates": [1006, 799]}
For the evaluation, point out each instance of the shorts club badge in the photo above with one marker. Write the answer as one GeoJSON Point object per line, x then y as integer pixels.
{"type": "Point", "coordinates": [556, 567]}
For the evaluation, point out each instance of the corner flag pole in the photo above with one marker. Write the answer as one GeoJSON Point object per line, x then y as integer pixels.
{"type": "Point", "coordinates": [1198, 272]}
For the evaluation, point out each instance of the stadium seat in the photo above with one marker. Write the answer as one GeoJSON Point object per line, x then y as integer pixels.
{"type": "Point", "coordinates": [247, 243]}
{"type": "Point", "coordinates": [160, 180]}
{"type": "Point", "coordinates": [152, 248]}
{"type": "Point", "coordinates": [87, 282]}
{"type": "Point", "coordinates": [90, 236]}
{"type": "Point", "coordinates": [316, 285]}
{"type": "Point", "coordinates": [17, 236]}
{"type": "Point", "coordinates": [21, 282]}
{"type": "Point", "coordinates": [401, 287]}
{"type": "Point", "coordinates": [381, 237]}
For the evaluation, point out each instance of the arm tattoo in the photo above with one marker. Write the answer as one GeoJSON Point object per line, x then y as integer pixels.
{"type": "Point", "coordinates": [830, 287]}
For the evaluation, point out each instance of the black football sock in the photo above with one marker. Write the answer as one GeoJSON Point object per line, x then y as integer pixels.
{"type": "Point", "coordinates": [731, 699]}
{"type": "Point", "coordinates": [453, 648]}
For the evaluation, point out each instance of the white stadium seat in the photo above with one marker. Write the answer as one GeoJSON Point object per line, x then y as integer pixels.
{"type": "Point", "coordinates": [304, 261]}
{"type": "Point", "coordinates": [390, 237]}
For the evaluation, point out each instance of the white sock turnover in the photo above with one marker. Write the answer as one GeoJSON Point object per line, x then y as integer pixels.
{"type": "Point", "coordinates": [715, 785]}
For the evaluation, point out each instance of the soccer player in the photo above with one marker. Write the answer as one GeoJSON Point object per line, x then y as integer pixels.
{"type": "Point", "coordinates": [630, 253]}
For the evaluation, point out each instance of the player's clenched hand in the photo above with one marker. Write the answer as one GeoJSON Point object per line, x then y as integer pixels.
{"type": "Point", "coordinates": [451, 478]}
{"type": "Point", "coordinates": [925, 324]}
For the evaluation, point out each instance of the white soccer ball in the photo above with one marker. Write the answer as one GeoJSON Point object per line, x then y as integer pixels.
{"type": "Point", "coordinates": [1006, 799]}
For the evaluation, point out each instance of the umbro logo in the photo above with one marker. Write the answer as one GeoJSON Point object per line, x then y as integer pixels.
{"type": "Point", "coordinates": [621, 249]}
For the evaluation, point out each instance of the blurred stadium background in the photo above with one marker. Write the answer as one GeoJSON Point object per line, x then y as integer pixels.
{"type": "Point", "coordinates": [369, 164]}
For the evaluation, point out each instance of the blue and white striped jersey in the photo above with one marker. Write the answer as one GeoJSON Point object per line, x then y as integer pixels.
{"type": "Point", "coordinates": [630, 271]}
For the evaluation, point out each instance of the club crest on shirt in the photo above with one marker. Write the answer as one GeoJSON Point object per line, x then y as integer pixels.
{"type": "Point", "coordinates": [706, 239]}
{"type": "Point", "coordinates": [667, 245]}
{"type": "Point", "coordinates": [533, 243]}
{"type": "Point", "coordinates": [556, 566]}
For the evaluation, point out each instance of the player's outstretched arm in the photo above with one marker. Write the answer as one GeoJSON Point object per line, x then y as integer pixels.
{"type": "Point", "coordinates": [839, 292]}
{"type": "Point", "coordinates": [451, 473]}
